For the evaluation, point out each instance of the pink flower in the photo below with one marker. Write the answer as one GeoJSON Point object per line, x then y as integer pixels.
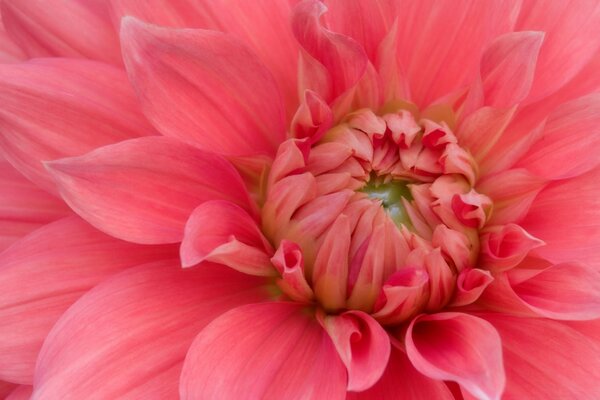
{"type": "Point", "coordinates": [257, 199]}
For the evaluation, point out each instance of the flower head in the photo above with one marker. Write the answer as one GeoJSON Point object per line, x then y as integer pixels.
{"type": "Point", "coordinates": [300, 200]}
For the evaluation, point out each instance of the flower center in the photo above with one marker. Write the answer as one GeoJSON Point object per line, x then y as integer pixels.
{"type": "Point", "coordinates": [390, 194]}
{"type": "Point", "coordinates": [380, 215]}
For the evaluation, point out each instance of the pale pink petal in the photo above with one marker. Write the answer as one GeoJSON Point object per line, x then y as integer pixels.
{"type": "Point", "coordinates": [572, 38]}
{"type": "Point", "coordinates": [22, 392]}
{"type": "Point", "coordinates": [204, 87]}
{"type": "Point", "coordinates": [75, 29]}
{"type": "Point", "coordinates": [460, 348]}
{"type": "Point", "coordinates": [570, 141]}
{"type": "Point", "coordinates": [441, 43]}
{"type": "Point", "coordinates": [23, 206]}
{"type": "Point", "coordinates": [54, 108]}
{"type": "Point", "coordinates": [330, 274]}
{"type": "Point", "coordinates": [363, 345]}
{"type": "Point", "coordinates": [338, 59]}
{"type": "Point", "coordinates": [144, 190]}
{"type": "Point", "coordinates": [44, 273]}
{"type": "Point", "coordinates": [263, 351]}
{"type": "Point", "coordinates": [134, 331]}
{"type": "Point", "coordinates": [507, 68]}
{"type": "Point", "coordinates": [401, 381]}
{"type": "Point", "coordinates": [568, 291]}
{"type": "Point", "coordinates": [547, 360]}
{"type": "Point", "coordinates": [566, 215]}
{"type": "Point", "coordinates": [224, 233]}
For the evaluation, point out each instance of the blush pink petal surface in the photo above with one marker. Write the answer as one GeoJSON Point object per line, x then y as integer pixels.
{"type": "Point", "coordinates": [299, 199]}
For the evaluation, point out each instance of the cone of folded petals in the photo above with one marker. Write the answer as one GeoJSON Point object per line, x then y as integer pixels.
{"type": "Point", "coordinates": [347, 199]}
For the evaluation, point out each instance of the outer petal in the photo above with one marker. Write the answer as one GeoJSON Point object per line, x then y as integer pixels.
{"type": "Point", "coordinates": [567, 291]}
{"type": "Point", "coordinates": [222, 232]}
{"type": "Point", "coordinates": [266, 351]}
{"type": "Point", "coordinates": [573, 231]}
{"type": "Point", "coordinates": [363, 346]}
{"type": "Point", "coordinates": [573, 37]}
{"type": "Point", "coordinates": [458, 347]}
{"type": "Point", "coordinates": [507, 67]}
{"type": "Point", "coordinates": [512, 192]}
{"type": "Point", "coordinates": [547, 360]}
{"type": "Point", "coordinates": [44, 273]}
{"type": "Point", "coordinates": [9, 51]}
{"type": "Point", "coordinates": [24, 207]}
{"type": "Point", "coordinates": [338, 59]}
{"type": "Point", "coordinates": [571, 140]}
{"type": "Point", "coordinates": [22, 392]}
{"type": "Point", "coordinates": [441, 43]}
{"type": "Point", "coordinates": [134, 330]}
{"type": "Point", "coordinates": [54, 108]}
{"type": "Point", "coordinates": [74, 28]}
{"type": "Point", "coordinates": [261, 24]}
{"type": "Point", "coordinates": [143, 190]}
{"type": "Point", "coordinates": [204, 87]}
{"type": "Point", "coordinates": [401, 381]}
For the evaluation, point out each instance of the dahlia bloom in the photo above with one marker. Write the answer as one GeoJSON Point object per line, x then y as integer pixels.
{"type": "Point", "coordinates": [299, 199]}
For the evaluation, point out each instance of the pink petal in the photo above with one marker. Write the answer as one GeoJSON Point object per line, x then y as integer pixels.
{"type": "Point", "coordinates": [441, 43]}
{"type": "Point", "coordinates": [54, 108]}
{"type": "Point", "coordinates": [6, 388]}
{"type": "Point", "coordinates": [507, 67]}
{"type": "Point", "coordinates": [458, 347]}
{"type": "Point", "coordinates": [224, 233]}
{"type": "Point", "coordinates": [573, 231]}
{"type": "Point", "coordinates": [22, 392]}
{"type": "Point", "coordinates": [24, 207]}
{"type": "Point", "coordinates": [572, 39]}
{"type": "Point", "coordinates": [363, 346]}
{"type": "Point", "coordinates": [402, 295]}
{"type": "Point", "coordinates": [289, 262]}
{"type": "Point", "coordinates": [547, 360]}
{"type": "Point", "coordinates": [567, 291]}
{"type": "Point", "coordinates": [264, 26]}
{"type": "Point", "coordinates": [401, 381]}
{"type": "Point", "coordinates": [339, 60]}
{"type": "Point", "coordinates": [263, 351]}
{"type": "Point", "coordinates": [482, 129]}
{"type": "Point", "coordinates": [512, 191]}
{"type": "Point", "coordinates": [505, 246]}
{"type": "Point", "coordinates": [194, 83]}
{"type": "Point", "coordinates": [313, 118]}
{"type": "Point", "coordinates": [144, 190]}
{"type": "Point", "coordinates": [44, 273]}
{"type": "Point", "coordinates": [127, 337]}
{"type": "Point", "coordinates": [470, 284]}
{"type": "Point", "coordinates": [571, 139]}
{"type": "Point", "coordinates": [10, 52]}
{"type": "Point", "coordinates": [74, 29]}
{"type": "Point", "coordinates": [191, 14]}
{"type": "Point", "coordinates": [366, 21]}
